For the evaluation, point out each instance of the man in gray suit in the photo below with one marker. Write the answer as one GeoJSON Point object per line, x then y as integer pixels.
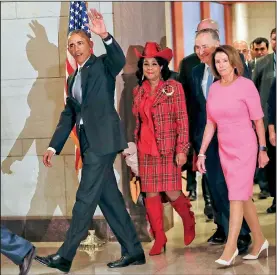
{"type": "Point", "coordinates": [17, 249]}
{"type": "Point", "coordinates": [263, 77]}
{"type": "Point", "coordinates": [90, 104]}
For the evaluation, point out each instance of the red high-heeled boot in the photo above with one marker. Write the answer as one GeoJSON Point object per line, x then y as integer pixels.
{"type": "Point", "coordinates": [182, 206]}
{"type": "Point", "coordinates": [154, 210]}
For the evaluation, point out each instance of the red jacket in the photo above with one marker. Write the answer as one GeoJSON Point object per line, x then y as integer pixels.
{"type": "Point", "coordinates": [169, 114]}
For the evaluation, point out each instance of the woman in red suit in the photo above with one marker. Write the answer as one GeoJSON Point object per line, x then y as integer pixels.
{"type": "Point", "coordinates": [161, 136]}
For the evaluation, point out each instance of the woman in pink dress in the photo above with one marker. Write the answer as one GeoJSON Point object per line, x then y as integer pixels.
{"type": "Point", "coordinates": [233, 103]}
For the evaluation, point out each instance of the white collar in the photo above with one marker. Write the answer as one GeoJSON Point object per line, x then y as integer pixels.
{"type": "Point", "coordinates": [206, 67]}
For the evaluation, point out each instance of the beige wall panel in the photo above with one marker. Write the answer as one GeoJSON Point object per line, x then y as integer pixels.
{"type": "Point", "coordinates": [38, 9]}
{"type": "Point", "coordinates": [8, 10]}
{"type": "Point", "coordinates": [45, 102]}
{"type": "Point", "coordinates": [35, 53]}
{"type": "Point", "coordinates": [37, 193]}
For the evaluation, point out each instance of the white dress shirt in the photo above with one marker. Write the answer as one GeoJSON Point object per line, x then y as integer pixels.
{"type": "Point", "coordinates": [205, 80]}
{"type": "Point", "coordinates": [79, 66]}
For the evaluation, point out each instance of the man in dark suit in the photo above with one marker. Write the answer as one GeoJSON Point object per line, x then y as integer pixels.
{"type": "Point", "coordinates": [263, 76]}
{"type": "Point", "coordinates": [17, 249]}
{"type": "Point", "coordinates": [186, 67]}
{"type": "Point", "coordinates": [271, 144]}
{"type": "Point", "coordinates": [90, 104]}
{"type": "Point", "coordinates": [205, 44]}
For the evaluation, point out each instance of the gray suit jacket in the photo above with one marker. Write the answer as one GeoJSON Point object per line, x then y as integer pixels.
{"type": "Point", "coordinates": [103, 127]}
{"type": "Point", "coordinates": [263, 77]}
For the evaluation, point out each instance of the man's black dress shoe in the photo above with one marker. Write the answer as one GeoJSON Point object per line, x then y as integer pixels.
{"type": "Point", "coordinates": [128, 260]}
{"type": "Point", "coordinates": [192, 195]}
{"type": "Point", "coordinates": [264, 195]}
{"type": "Point", "coordinates": [208, 211]}
{"type": "Point", "coordinates": [272, 208]}
{"type": "Point", "coordinates": [243, 243]}
{"type": "Point", "coordinates": [27, 262]}
{"type": "Point", "coordinates": [55, 261]}
{"type": "Point", "coordinates": [218, 237]}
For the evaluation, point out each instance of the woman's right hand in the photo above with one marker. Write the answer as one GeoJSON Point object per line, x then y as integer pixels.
{"type": "Point", "coordinates": [201, 164]}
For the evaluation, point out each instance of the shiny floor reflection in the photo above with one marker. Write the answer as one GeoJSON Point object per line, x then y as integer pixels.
{"type": "Point", "coordinates": [198, 258]}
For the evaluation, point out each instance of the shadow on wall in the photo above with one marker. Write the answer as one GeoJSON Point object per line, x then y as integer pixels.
{"type": "Point", "coordinates": [45, 103]}
{"type": "Point", "coordinates": [125, 111]}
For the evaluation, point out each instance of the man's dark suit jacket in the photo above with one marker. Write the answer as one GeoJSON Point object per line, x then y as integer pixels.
{"type": "Point", "coordinates": [272, 104]}
{"type": "Point", "coordinates": [263, 77]}
{"type": "Point", "coordinates": [102, 124]}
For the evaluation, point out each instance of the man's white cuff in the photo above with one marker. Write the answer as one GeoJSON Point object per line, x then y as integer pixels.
{"type": "Point", "coordinates": [51, 149]}
{"type": "Point", "coordinates": [110, 41]}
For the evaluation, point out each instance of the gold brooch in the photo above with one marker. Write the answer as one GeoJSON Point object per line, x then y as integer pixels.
{"type": "Point", "coordinates": [165, 90]}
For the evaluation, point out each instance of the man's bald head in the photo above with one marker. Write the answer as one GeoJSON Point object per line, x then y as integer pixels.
{"type": "Point", "coordinates": [207, 24]}
{"type": "Point", "coordinates": [242, 47]}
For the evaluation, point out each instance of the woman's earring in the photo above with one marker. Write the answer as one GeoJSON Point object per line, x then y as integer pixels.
{"type": "Point", "coordinates": [142, 78]}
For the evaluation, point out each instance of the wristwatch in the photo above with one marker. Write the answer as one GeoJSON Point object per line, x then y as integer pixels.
{"type": "Point", "coordinates": [107, 38]}
{"type": "Point", "coordinates": [262, 148]}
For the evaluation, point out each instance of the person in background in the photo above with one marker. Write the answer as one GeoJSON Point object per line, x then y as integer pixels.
{"type": "Point", "coordinates": [263, 76]}
{"type": "Point", "coordinates": [233, 102]}
{"type": "Point", "coordinates": [260, 47]}
{"type": "Point", "coordinates": [271, 144]}
{"type": "Point", "coordinates": [242, 47]}
{"type": "Point", "coordinates": [20, 251]}
{"type": "Point", "coordinates": [162, 139]}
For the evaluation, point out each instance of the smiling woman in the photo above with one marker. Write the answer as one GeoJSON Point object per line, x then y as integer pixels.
{"type": "Point", "coordinates": [161, 136]}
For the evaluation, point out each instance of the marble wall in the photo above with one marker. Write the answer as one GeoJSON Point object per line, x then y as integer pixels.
{"type": "Point", "coordinates": [33, 51]}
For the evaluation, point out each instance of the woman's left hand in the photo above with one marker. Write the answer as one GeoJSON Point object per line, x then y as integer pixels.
{"type": "Point", "coordinates": [181, 159]}
{"type": "Point", "coordinates": [263, 159]}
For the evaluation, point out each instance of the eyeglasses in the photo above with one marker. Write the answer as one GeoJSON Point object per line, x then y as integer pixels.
{"type": "Point", "coordinates": [208, 29]}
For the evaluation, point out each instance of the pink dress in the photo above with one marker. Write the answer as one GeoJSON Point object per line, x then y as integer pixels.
{"type": "Point", "coordinates": [232, 108]}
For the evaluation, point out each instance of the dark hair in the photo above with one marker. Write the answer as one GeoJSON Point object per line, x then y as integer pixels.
{"type": "Point", "coordinates": [212, 32]}
{"type": "Point", "coordinates": [234, 59]}
{"type": "Point", "coordinates": [81, 33]}
{"type": "Point", "coordinates": [260, 40]}
{"type": "Point", "coordinates": [273, 32]}
{"type": "Point", "coordinates": [165, 72]}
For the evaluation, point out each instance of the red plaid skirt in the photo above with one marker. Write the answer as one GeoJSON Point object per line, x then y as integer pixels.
{"type": "Point", "coordinates": [159, 174]}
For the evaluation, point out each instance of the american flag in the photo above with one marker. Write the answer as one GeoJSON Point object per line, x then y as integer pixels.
{"type": "Point", "coordinates": [77, 19]}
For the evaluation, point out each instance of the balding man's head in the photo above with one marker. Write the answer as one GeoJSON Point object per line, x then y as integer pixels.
{"type": "Point", "coordinates": [207, 24]}
{"type": "Point", "coordinates": [242, 47]}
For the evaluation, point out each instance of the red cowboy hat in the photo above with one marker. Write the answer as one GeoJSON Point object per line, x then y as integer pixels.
{"type": "Point", "coordinates": [152, 49]}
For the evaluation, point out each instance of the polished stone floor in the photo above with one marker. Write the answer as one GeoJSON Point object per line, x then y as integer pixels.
{"type": "Point", "coordinates": [198, 258]}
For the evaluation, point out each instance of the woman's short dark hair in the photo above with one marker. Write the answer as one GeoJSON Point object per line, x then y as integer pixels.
{"type": "Point", "coordinates": [234, 59]}
{"type": "Point", "coordinates": [165, 72]}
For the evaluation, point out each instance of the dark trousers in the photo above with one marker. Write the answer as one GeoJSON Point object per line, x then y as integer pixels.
{"type": "Point", "coordinates": [261, 179]}
{"type": "Point", "coordinates": [218, 188]}
{"type": "Point", "coordinates": [191, 180]}
{"type": "Point", "coordinates": [14, 247]}
{"type": "Point", "coordinates": [271, 169]}
{"type": "Point", "coordinates": [98, 186]}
